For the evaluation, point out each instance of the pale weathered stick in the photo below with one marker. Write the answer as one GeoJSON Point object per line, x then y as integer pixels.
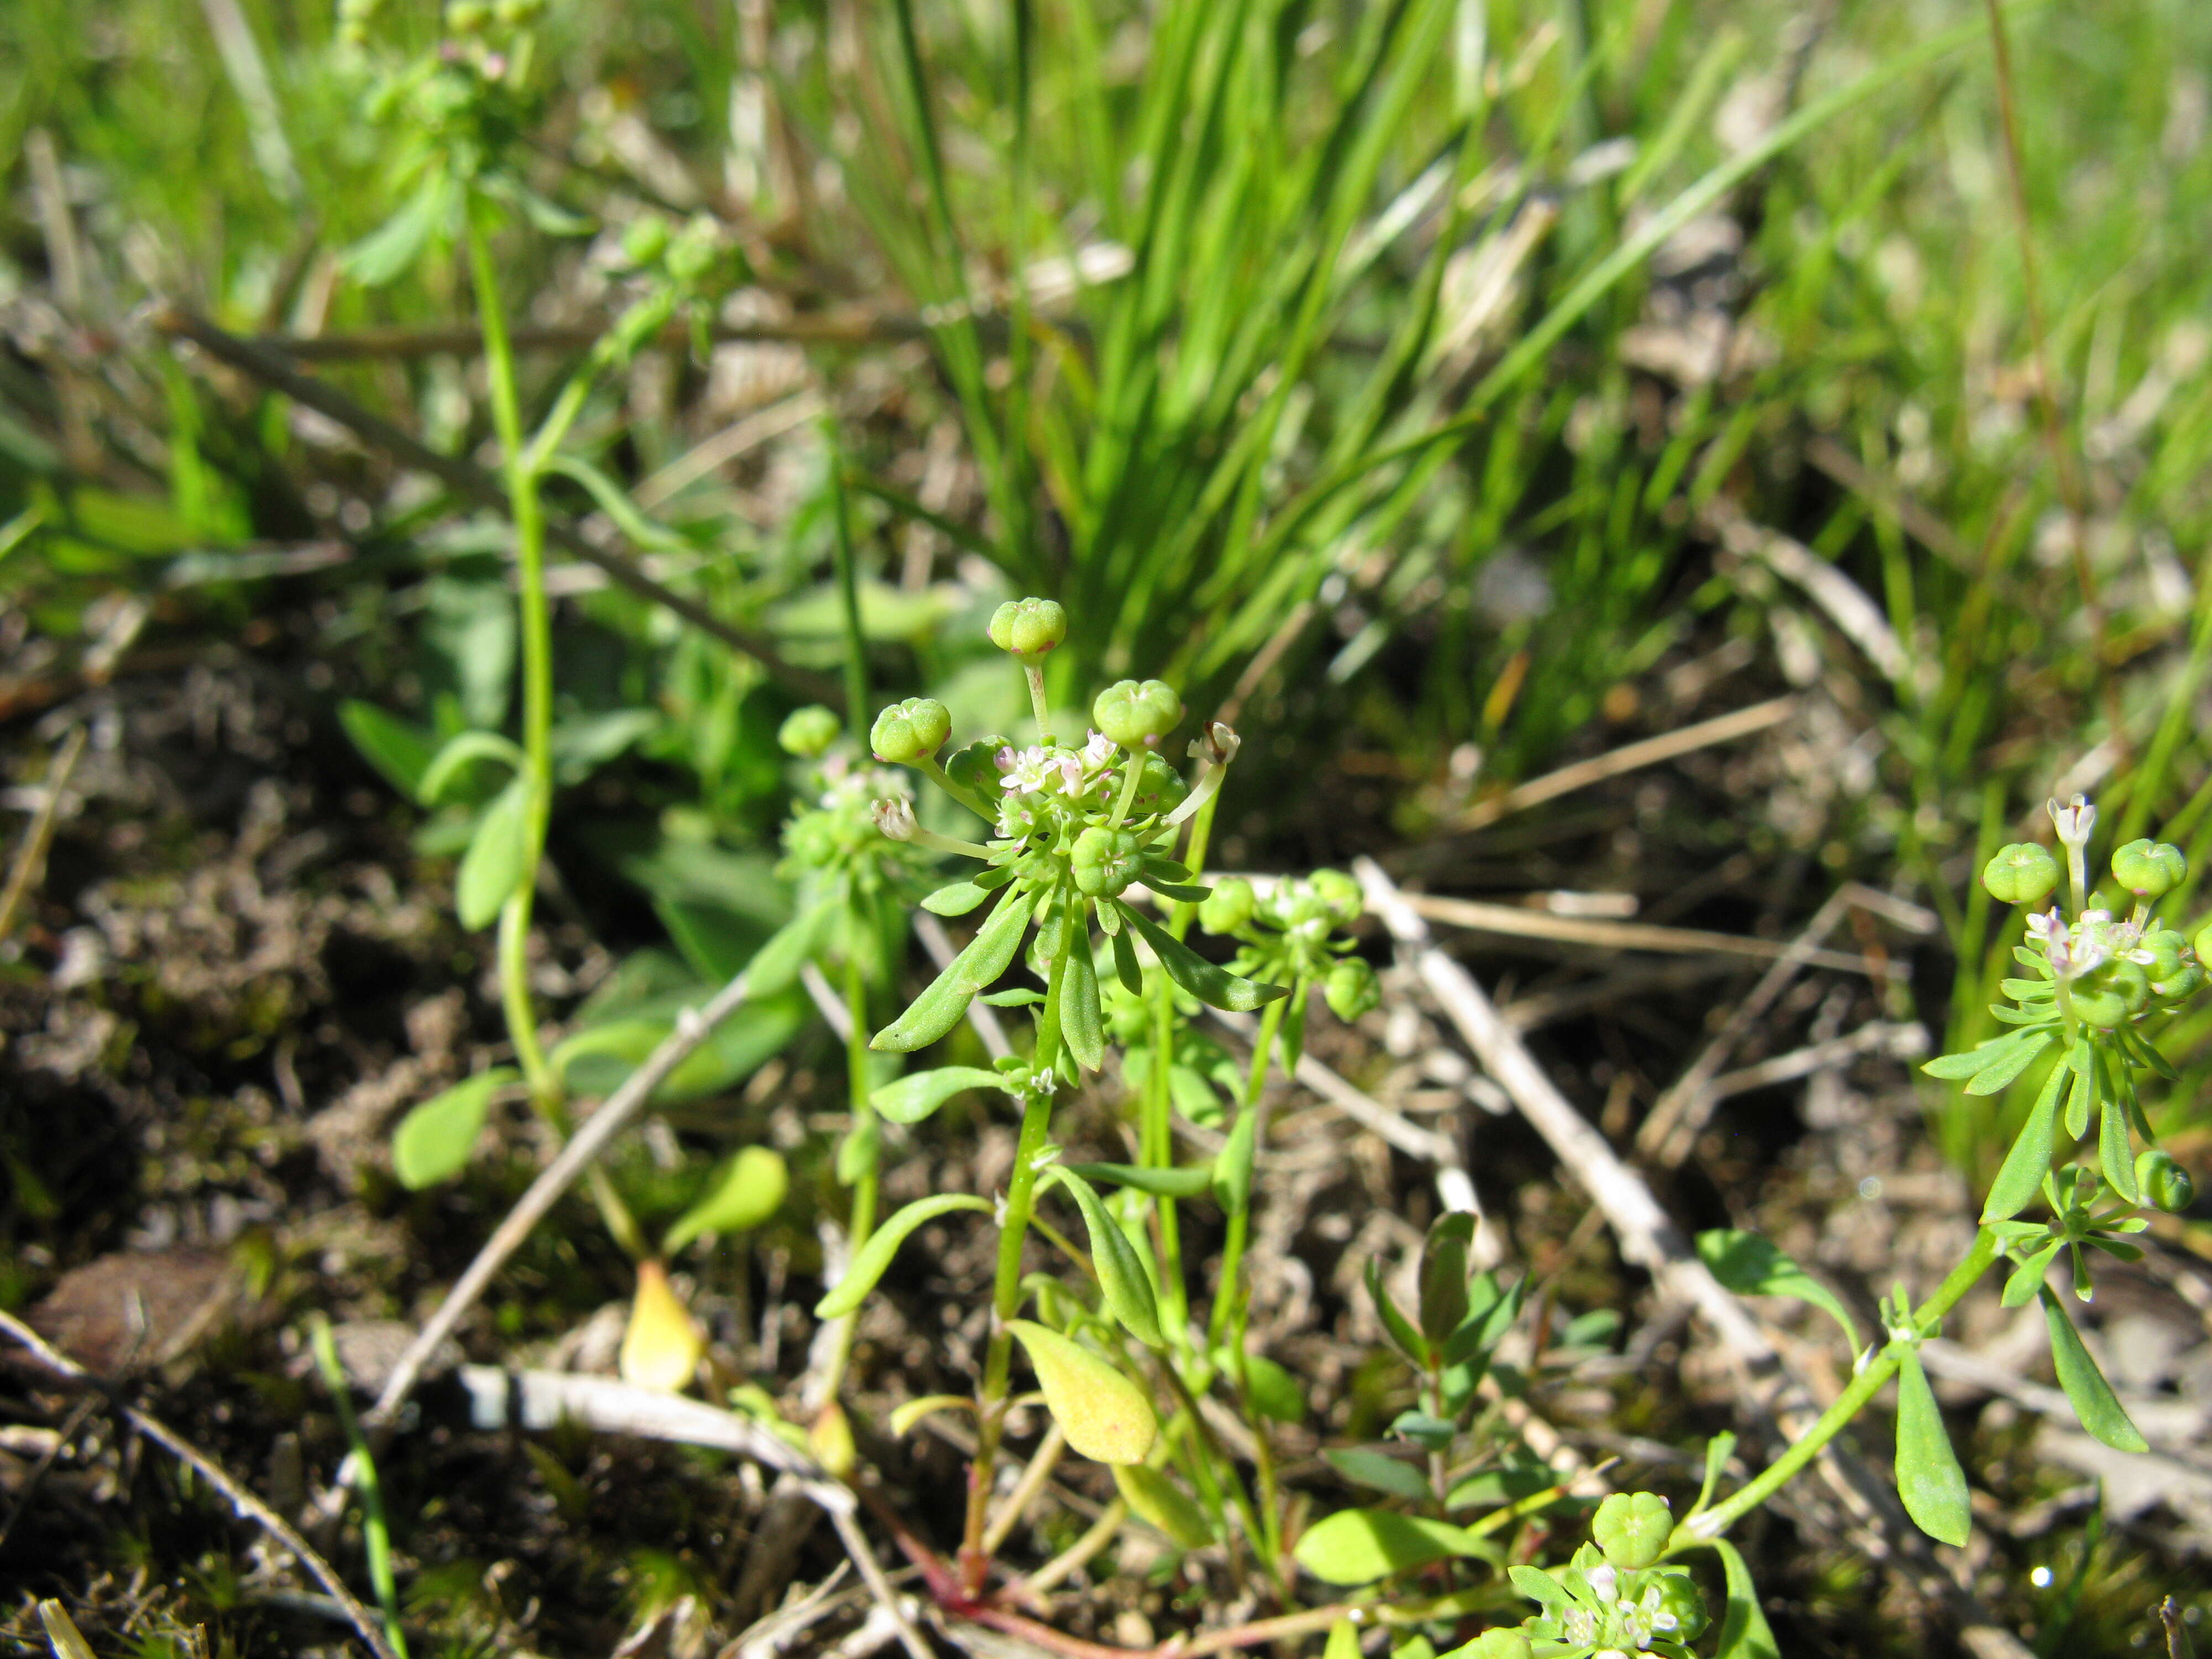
{"type": "Point", "coordinates": [1483, 916]}
{"type": "Point", "coordinates": [1631, 757]}
{"type": "Point", "coordinates": [1856, 616]}
{"type": "Point", "coordinates": [1902, 1040]}
{"type": "Point", "coordinates": [692, 1028]}
{"type": "Point", "coordinates": [241, 1498]}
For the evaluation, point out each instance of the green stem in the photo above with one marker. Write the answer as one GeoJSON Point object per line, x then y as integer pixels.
{"type": "Point", "coordinates": [1005, 1303]}
{"type": "Point", "coordinates": [1131, 775]}
{"type": "Point", "coordinates": [848, 590]}
{"type": "Point", "coordinates": [1038, 706]}
{"type": "Point", "coordinates": [862, 1222]}
{"type": "Point", "coordinates": [942, 780]}
{"type": "Point", "coordinates": [1228, 1299]}
{"type": "Point", "coordinates": [375, 1530]}
{"type": "Point", "coordinates": [1712, 1522]}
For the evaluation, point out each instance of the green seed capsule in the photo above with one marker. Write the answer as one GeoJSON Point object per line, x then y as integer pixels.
{"type": "Point", "coordinates": [1339, 893]}
{"type": "Point", "coordinates": [1674, 1594]}
{"type": "Point", "coordinates": [2112, 995]}
{"type": "Point", "coordinates": [1134, 713]}
{"type": "Point", "coordinates": [2164, 1182]}
{"type": "Point", "coordinates": [1229, 906]}
{"type": "Point", "coordinates": [907, 730]}
{"type": "Point", "coordinates": [1352, 989]}
{"type": "Point", "coordinates": [808, 732]}
{"type": "Point", "coordinates": [1632, 1529]}
{"type": "Point", "coordinates": [1028, 628]}
{"type": "Point", "coordinates": [2021, 873]}
{"type": "Point", "coordinates": [2149, 869]}
{"type": "Point", "coordinates": [1104, 861]}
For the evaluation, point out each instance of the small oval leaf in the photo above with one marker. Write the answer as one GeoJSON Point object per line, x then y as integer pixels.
{"type": "Point", "coordinates": [872, 1258]}
{"type": "Point", "coordinates": [1122, 1283]}
{"type": "Point", "coordinates": [1929, 1477]}
{"type": "Point", "coordinates": [1358, 1546]}
{"type": "Point", "coordinates": [748, 1191]}
{"type": "Point", "coordinates": [1104, 1415]}
{"type": "Point", "coordinates": [915, 1095]}
{"type": "Point", "coordinates": [497, 862]}
{"type": "Point", "coordinates": [434, 1141]}
{"type": "Point", "coordinates": [1381, 1472]}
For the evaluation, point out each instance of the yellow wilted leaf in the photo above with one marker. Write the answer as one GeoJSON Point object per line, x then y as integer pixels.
{"type": "Point", "coordinates": [661, 1348]}
{"type": "Point", "coordinates": [831, 1437]}
{"type": "Point", "coordinates": [1104, 1415]}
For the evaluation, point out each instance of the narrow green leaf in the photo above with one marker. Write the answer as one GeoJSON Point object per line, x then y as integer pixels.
{"type": "Point", "coordinates": [1273, 1391]}
{"type": "Point", "coordinates": [1380, 1471]}
{"type": "Point", "coordinates": [1973, 1061]}
{"type": "Point", "coordinates": [387, 251]}
{"type": "Point", "coordinates": [1187, 1181]}
{"type": "Point", "coordinates": [1929, 1477]}
{"type": "Point", "coordinates": [1750, 1265]}
{"type": "Point", "coordinates": [1994, 1078]}
{"type": "Point", "coordinates": [873, 1258]}
{"type": "Point", "coordinates": [1216, 986]}
{"type": "Point", "coordinates": [1122, 1281]}
{"type": "Point", "coordinates": [750, 1189]}
{"type": "Point", "coordinates": [2092, 1399]}
{"type": "Point", "coordinates": [1232, 1164]}
{"type": "Point", "coordinates": [939, 1007]}
{"type": "Point", "coordinates": [2115, 1154]}
{"type": "Point", "coordinates": [2081, 1098]}
{"type": "Point", "coordinates": [497, 862]}
{"type": "Point", "coordinates": [1125, 968]}
{"type": "Point", "coordinates": [1718, 1451]}
{"type": "Point", "coordinates": [1396, 1325]}
{"type": "Point", "coordinates": [2029, 1161]}
{"type": "Point", "coordinates": [433, 1141]}
{"type": "Point", "coordinates": [1745, 1633]}
{"type": "Point", "coordinates": [1082, 1023]}
{"type": "Point", "coordinates": [915, 1095]}
{"type": "Point", "coordinates": [1182, 891]}
{"type": "Point", "coordinates": [777, 963]}
{"type": "Point", "coordinates": [2027, 1277]}
{"type": "Point", "coordinates": [1154, 1497]}
{"type": "Point", "coordinates": [1358, 1546]}
{"type": "Point", "coordinates": [1443, 1303]}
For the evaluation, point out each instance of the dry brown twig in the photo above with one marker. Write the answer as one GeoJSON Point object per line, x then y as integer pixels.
{"type": "Point", "coordinates": [31, 858]}
{"type": "Point", "coordinates": [242, 1497]}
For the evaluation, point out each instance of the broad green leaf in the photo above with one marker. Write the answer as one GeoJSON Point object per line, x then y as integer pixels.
{"type": "Point", "coordinates": [1152, 1497]}
{"type": "Point", "coordinates": [1358, 1546]}
{"type": "Point", "coordinates": [433, 1141]}
{"type": "Point", "coordinates": [1745, 1633]}
{"type": "Point", "coordinates": [1123, 1282]}
{"type": "Point", "coordinates": [1209, 984]}
{"type": "Point", "coordinates": [915, 1095]}
{"type": "Point", "coordinates": [460, 750]}
{"type": "Point", "coordinates": [497, 862]}
{"type": "Point", "coordinates": [401, 752]}
{"type": "Point", "coordinates": [2029, 1161]}
{"type": "Point", "coordinates": [1381, 1471]}
{"type": "Point", "coordinates": [1750, 1265]}
{"type": "Point", "coordinates": [1995, 1078]}
{"type": "Point", "coordinates": [870, 1260]}
{"type": "Point", "coordinates": [1082, 1024]}
{"type": "Point", "coordinates": [750, 1189]}
{"type": "Point", "coordinates": [1104, 1415]}
{"type": "Point", "coordinates": [1189, 1181]}
{"type": "Point", "coordinates": [1929, 1477]}
{"type": "Point", "coordinates": [2092, 1399]}
{"type": "Point", "coordinates": [939, 1008]}
{"type": "Point", "coordinates": [955, 898]}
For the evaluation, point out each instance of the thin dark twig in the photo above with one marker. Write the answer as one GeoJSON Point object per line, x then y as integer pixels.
{"type": "Point", "coordinates": [465, 479]}
{"type": "Point", "coordinates": [242, 1497]}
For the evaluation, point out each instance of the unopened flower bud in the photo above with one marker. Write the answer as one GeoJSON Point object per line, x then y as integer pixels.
{"type": "Point", "coordinates": [1339, 893]}
{"type": "Point", "coordinates": [644, 239]}
{"type": "Point", "coordinates": [1028, 628]}
{"type": "Point", "coordinates": [1137, 714]}
{"type": "Point", "coordinates": [2112, 995]}
{"type": "Point", "coordinates": [2149, 869]}
{"type": "Point", "coordinates": [1104, 861]}
{"type": "Point", "coordinates": [894, 818]}
{"type": "Point", "coordinates": [1673, 1595]}
{"type": "Point", "coordinates": [693, 250]}
{"type": "Point", "coordinates": [2164, 1182]}
{"type": "Point", "coordinates": [1228, 907]}
{"type": "Point", "coordinates": [1352, 989]}
{"type": "Point", "coordinates": [2021, 873]}
{"type": "Point", "coordinates": [1632, 1529]}
{"type": "Point", "coordinates": [808, 732]}
{"type": "Point", "coordinates": [910, 730]}
{"type": "Point", "coordinates": [2074, 821]}
{"type": "Point", "coordinates": [975, 767]}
